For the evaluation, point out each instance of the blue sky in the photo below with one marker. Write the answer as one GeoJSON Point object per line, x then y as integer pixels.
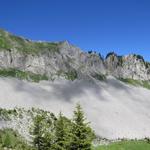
{"type": "Point", "coordinates": [122, 26]}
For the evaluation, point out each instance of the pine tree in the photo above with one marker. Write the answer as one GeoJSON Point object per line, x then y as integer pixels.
{"type": "Point", "coordinates": [43, 131]}
{"type": "Point", "coordinates": [82, 134]}
{"type": "Point", "coordinates": [38, 140]}
{"type": "Point", "coordinates": [62, 126]}
{"type": "Point", "coordinates": [51, 133]}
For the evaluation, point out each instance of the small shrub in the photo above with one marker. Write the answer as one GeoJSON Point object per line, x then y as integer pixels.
{"type": "Point", "coordinates": [71, 75]}
{"type": "Point", "coordinates": [100, 77]}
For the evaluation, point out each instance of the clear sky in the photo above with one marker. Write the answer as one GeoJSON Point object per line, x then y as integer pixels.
{"type": "Point", "coordinates": [122, 26]}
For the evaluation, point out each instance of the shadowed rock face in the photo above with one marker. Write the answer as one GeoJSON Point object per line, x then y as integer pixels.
{"type": "Point", "coordinates": [53, 58]}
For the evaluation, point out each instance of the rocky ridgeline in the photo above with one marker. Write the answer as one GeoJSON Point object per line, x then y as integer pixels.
{"type": "Point", "coordinates": [60, 58]}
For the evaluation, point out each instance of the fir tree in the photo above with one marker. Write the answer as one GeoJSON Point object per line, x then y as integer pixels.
{"type": "Point", "coordinates": [38, 140]}
{"type": "Point", "coordinates": [43, 131]}
{"type": "Point", "coordinates": [62, 126]}
{"type": "Point", "coordinates": [82, 134]}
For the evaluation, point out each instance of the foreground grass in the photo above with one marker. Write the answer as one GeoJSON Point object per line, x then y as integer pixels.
{"type": "Point", "coordinates": [11, 140]}
{"type": "Point", "coordinates": [125, 145]}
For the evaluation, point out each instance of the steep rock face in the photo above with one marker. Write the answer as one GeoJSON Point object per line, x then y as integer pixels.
{"type": "Point", "coordinates": [130, 66]}
{"type": "Point", "coordinates": [68, 58]}
{"type": "Point", "coordinates": [134, 67]}
{"type": "Point", "coordinates": [57, 58]}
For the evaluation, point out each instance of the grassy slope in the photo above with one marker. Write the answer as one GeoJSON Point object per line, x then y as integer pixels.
{"type": "Point", "coordinates": [145, 84]}
{"type": "Point", "coordinates": [9, 41]}
{"type": "Point", "coordinates": [22, 75]}
{"type": "Point", "coordinates": [126, 145]}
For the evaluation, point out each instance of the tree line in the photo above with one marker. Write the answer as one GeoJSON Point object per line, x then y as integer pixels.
{"type": "Point", "coordinates": [60, 133]}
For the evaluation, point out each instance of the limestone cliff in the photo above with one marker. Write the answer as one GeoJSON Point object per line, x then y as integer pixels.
{"type": "Point", "coordinates": [56, 59]}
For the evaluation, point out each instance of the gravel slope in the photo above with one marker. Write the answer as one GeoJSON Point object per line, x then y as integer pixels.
{"type": "Point", "coordinates": [116, 110]}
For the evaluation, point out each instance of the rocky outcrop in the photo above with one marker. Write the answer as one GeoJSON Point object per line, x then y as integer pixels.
{"type": "Point", "coordinates": [130, 66]}
{"type": "Point", "coordinates": [52, 59]}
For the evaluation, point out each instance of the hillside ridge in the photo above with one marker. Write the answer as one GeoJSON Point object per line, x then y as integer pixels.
{"type": "Point", "coordinates": [62, 59]}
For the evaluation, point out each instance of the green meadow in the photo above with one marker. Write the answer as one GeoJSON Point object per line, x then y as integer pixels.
{"type": "Point", "coordinates": [125, 145]}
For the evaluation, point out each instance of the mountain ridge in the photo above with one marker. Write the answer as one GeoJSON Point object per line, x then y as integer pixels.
{"type": "Point", "coordinates": [55, 59]}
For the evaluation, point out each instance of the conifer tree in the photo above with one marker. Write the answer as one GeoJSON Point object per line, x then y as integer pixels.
{"type": "Point", "coordinates": [82, 134]}
{"type": "Point", "coordinates": [38, 140]}
{"type": "Point", "coordinates": [62, 126]}
{"type": "Point", "coordinates": [43, 131]}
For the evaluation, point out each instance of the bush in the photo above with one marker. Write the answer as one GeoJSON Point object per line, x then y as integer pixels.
{"type": "Point", "coordinates": [100, 77]}
{"type": "Point", "coordinates": [71, 75]}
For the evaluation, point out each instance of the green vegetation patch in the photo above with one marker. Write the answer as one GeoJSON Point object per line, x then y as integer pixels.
{"type": "Point", "coordinates": [126, 145]}
{"type": "Point", "coordinates": [4, 41]}
{"type": "Point", "coordinates": [139, 57]}
{"type": "Point", "coordinates": [145, 84]}
{"type": "Point", "coordinates": [6, 114]}
{"type": "Point", "coordinates": [100, 77]}
{"type": "Point", "coordinates": [69, 75]}
{"type": "Point", "coordinates": [22, 75]}
{"type": "Point", "coordinates": [9, 41]}
{"type": "Point", "coordinates": [147, 65]}
{"type": "Point", "coordinates": [120, 60]}
{"type": "Point", "coordinates": [10, 139]}
{"type": "Point", "coordinates": [62, 133]}
{"type": "Point", "coordinates": [48, 132]}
